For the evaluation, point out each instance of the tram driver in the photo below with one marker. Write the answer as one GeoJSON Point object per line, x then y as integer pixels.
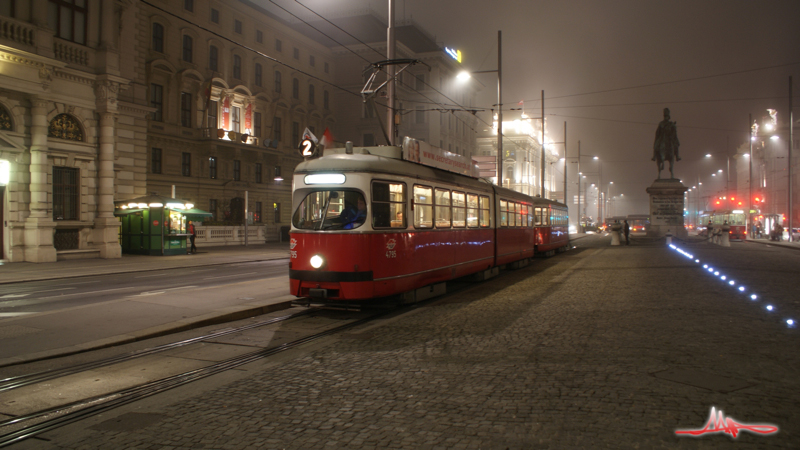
{"type": "Point", "coordinates": [353, 217]}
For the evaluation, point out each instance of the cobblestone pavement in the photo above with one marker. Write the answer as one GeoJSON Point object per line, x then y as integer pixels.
{"type": "Point", "coordinates": [572, 352]}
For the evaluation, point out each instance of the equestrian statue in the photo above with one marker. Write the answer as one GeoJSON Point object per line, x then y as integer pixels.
{"type": "Point", "coordinates": [665, 147]}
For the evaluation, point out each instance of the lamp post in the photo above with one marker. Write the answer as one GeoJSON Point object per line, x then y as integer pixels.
{"type": "Point", "coordinates": [465, 75]}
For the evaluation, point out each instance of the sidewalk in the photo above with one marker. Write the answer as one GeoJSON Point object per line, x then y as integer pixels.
{"type": "Point", "coordinates": [25, 271]}
{"type": "Point", "coordinates": [786, 244]}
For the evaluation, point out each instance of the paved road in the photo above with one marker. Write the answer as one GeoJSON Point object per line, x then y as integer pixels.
{"type": "Point", "coordinates": [601, 347]}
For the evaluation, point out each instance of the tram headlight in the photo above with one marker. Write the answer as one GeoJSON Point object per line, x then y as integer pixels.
{"type": "Point", "coordinates": [317, 261]}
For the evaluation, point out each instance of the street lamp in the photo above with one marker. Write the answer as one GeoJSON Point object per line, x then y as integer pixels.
{"type": "Point", "coordinates": [463, 76]}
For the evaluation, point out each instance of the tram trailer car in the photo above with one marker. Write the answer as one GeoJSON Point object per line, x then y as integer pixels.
{"type": "Point", "coordinates": [367, 224]}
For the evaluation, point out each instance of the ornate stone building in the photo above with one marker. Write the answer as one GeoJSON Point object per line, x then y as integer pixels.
{"type": "Point", "coordinates": [72, 126]}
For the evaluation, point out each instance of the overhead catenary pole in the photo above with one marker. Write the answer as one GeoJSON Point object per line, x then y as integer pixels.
{"type": "Point", "coordinates": [750, 175]}
{"type": "Point", "coordinates": [541, 181]}
{"type": "Point", "coordinates": [499, 108]}
{"type": "Point", "coordinates": [390, 55]}
{"type": "Point", "coordinates": [565, 163]}
{"type": "Point", "coordinates": [580, 227]}
{"type": "Point", "coordinates": [791, 141]}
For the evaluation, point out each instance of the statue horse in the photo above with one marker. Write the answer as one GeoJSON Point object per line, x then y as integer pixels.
{"type": "Point", "coordinates": [662, 155]}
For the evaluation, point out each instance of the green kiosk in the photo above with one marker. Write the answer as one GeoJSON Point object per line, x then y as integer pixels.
{"type": "Point", "coordinates": [155, 225]}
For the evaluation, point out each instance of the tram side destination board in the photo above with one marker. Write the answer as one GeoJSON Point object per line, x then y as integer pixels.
{"type": "Point", "coordinates": [421, 152]}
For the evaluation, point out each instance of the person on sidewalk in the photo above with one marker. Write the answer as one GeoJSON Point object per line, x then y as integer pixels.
{"type": "Point", "coordinates": [192, 236]}
{"type": "Point", "coordinates": [627, 230]}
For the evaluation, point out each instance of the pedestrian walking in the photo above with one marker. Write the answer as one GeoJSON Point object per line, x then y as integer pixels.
{"type": "Point", "coordinates": [192, 236]}
{"type": "Point", "coordinates": [627, 230]}
{"type": "Point", "coordinates": [709, 229]}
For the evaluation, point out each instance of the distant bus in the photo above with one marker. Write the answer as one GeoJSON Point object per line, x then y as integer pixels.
{"type": "Point", "coordinates": [639, 223]}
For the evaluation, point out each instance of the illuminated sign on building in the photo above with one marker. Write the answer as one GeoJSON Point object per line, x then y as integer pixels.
{"type": "Point", "coordinates": [455, 54]}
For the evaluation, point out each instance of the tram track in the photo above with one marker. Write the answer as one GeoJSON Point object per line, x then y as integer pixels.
{"type": "Point", "coordinates": [35, 423]}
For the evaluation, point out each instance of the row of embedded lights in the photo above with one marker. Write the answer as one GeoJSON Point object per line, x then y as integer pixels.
{"type": "Point", "coordinates": [754, 297]}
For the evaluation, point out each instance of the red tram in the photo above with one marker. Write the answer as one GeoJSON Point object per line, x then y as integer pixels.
{"type": "Point", "coordinates": [367, 223]}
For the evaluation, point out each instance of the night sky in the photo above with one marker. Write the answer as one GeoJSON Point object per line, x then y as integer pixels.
{"type": "Point", "coordinates": [608, 68]}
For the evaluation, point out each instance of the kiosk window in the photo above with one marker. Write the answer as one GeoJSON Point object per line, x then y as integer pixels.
{"type": "Point", "coordinates": [423, 207]}
{"type": "Point", "coordinates": [388, 205]}
{"type": "Point", "coordinates": [459, 209]}
{"type": "Point", "coordinates": [442, 208]}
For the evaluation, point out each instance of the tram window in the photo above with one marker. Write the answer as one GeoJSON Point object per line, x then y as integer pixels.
{"type": "Point", "coordinates": [330, 210]}
{"type": "Point", "coordinates": [388, 205]}
{"type": "Point", "coordinates": [539, 216]}
{"type": "Point", "coordinates": [442, 208]}
{"type": "Point", "coordinates": [459, 211]}
{"type": "Point", "coordinates": [523, 215]}
{"type": "Point", "coordinates": [423, 207]}
{"type": "Point", "coordinates": [472, 210]}
{"type": "Point", "coordinates": [484, 217]}
{"type": "Point", "coordinates": [512, 214]}
{"type": "Point", "coordinates": [503, 213]}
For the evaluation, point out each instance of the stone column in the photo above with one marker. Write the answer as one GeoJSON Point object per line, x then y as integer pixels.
{"type": "Point", "coordinates": [106, 226]}
{"type": "Point", "coordinates": [39, 227]}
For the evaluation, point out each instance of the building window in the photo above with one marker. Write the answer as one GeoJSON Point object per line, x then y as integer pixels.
{"type": "Point", "coordinates": [157, 101]}
{"type": "Point", "coordinates": [186, 109]}
{"type": "Point", "coordinates": [327, 67]}
{"type": "Point", "coordinates": [186, 164]}
{"type": "Point", "coordinates": [5, 119]}
{"type": "Point", "coordinates": [295, 88]}
{"type": "Point", "coordinates": [68, 18]}
{"type": "Point", "coordinates": [187, 48]}
{"type": "Point", "coordinates": [277, 176]}
{"type": "Point", "coordinates": [278, 45]}
{"type": "Point", "coordinates": [64, 126]}
{"type": "Point", "coordinates": [258, 172]}
{"type": "Point", "coordinates": [158, 37]}
{"type": "Point", "coordinates": [237, 67]}
{"type": "Point", "coordinates": [258, 75]}
{"type": "Point", "coordinates": [7, 8]}
{"type": "Point", "coordinates": [237, 26]}
{"type": "Point", "coordinates": [212, 167]}
{"type": "Point", "coordinates": [188, 5]}
{"type": "Point", "coordinates": [311, 94]}
{"type": "Point", "coordinates": [295, 134]}
{"type": "Point", "coordinates": [66, 193]}
{"type": "Point", "coordinates": [155, 160]}
{"type": "Point", "coordinates": [369, 140]}
{"type": "Point", "coordinates": [277, 82]}
{"type": "Point", "coordinates": [296, 53]}
{"type": "Point", "coordinates": [259, 36]}
{"type": "Point", "coordinates": [277, 209]}
{"type": "Point", "coordinates": [277, 126]}
{"type": "Point", "coordinates": [326, 100]}
{"type": "Point", "coordinates": [237, 170]}
{"type": "Point", "coordinates": [213, 58]}
{"type": "Point", "coordinates": [212, 208]}
{"type": "Point", "coordinates": [420, 115]}
{"type": "Point", "coordinates": [212, 114]}
{"type": "Point", "coordinates": [215, 15]}
{"type": "Point", "coordinates": [257, 124]}
{"type": "Point", "coordinates": [420, 81]}
{"type": "Point", "coordinates": [312, 61]}
{"type": "Point", "coordinates": [236, 116]}
{"type": "Point", "coordinates": [257, 213]}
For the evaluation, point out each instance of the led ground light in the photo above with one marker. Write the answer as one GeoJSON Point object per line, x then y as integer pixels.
{"type": "Point", "coordinates": [789, 322]}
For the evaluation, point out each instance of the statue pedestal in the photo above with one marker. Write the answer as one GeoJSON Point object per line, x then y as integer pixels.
{"type": "Point", "coordinates": [666, 208]}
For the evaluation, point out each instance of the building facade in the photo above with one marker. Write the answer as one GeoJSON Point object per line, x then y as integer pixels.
{"type": "Point", "coordinates": [72, 126]}
{"type": "Point", "coordinates": [232, 88]}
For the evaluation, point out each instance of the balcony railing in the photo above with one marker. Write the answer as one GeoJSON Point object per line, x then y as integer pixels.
{"type": "Point", "coordinates": [71, 53]}
{"type": "Point", "coordinates": [224, 135]}
{"type": "Point", "coordinates": [18, 32]}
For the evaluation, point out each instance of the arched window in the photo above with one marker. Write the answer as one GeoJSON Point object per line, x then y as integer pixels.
{"type": "Point", "coordinates": [158, 37]}
{"type": "Point", "coordinates": [64, 126]}
{"type": "Point", "coordinates": [257, 80]}
{"type": "Point", "coordinates": [5, 119]}
{"type": "Point", "coordinates": [188, 43]}
{"type": "Point", "coordinates": [311, 94]}
{"type": "Point", "coordinates": [277, 82]}
{"type": "Point", "coordinates": [213, 58]}
{"type": "Point", "coordinates": [237, 67]}
{"type": "Point", "coordinates": [295, 88]}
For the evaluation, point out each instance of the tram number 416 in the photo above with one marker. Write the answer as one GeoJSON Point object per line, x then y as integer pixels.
{"type": "Point", "coordinates": [391, 254]}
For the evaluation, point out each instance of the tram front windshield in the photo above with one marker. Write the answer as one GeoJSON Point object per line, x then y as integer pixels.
{"type": "Point", "coordinates": [331, 210]}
